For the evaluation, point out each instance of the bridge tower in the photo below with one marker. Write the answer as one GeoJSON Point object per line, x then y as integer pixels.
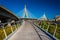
{"type": "Point", "coordinates": [43, 17]}
{"type": "Point", "coordinates": [25, 12]}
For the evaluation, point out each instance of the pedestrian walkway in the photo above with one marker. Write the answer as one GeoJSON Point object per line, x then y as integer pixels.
{"type": "Point", "coordinates": [26, 32]}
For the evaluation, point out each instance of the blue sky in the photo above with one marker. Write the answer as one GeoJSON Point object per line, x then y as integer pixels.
{"type": "Point", "coordinates": [36, 7]}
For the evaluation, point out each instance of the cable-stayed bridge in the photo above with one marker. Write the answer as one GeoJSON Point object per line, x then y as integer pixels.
{"type": "Point", "coordinates": [28, 28]}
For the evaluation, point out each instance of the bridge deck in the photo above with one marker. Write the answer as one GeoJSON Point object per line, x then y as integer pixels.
{"type": "Point", "coordinates": [26, 32]}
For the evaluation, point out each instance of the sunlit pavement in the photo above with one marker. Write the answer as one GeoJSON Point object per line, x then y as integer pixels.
{"type": "Point", "coordinates": [26, 32]}
{"type": "Point", "coordinates": [29, 32]}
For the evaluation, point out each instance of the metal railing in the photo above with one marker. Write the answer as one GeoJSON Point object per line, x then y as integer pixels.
{"type": "Point", "coordinates": [15, 24]}
{"type": "Point", "coordinates": [50, 24]}
{"type": "Point", "coordinates": [46, 32]}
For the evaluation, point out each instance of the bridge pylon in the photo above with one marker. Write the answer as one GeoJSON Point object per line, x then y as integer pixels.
{"type": "Point", "coordinates": [25, 12]}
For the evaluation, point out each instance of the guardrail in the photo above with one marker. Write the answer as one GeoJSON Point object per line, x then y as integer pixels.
{"type": "Point", "coordinates": [51, 27]}
{"type": "Point", "coordinates": [53, 38]}
{"type": "Point", "coordinates": [13, 27]}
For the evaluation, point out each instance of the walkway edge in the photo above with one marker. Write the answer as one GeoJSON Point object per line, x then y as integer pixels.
{"type": "Point", "coordinates": [11, 34]}
{"type": "Point", "coordinates": [46, 33]}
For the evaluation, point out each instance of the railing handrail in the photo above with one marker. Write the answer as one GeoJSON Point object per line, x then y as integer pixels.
{"type": "Point", "coordinates": [46, 32]}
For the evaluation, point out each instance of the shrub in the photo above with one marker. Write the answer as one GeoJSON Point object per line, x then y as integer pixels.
{"type": "Point", "coordinates": [2, 36]}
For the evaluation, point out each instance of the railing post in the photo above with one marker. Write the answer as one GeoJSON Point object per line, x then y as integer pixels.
{"type": "Point", "coordinates": [55, 29]}
{"type": "Point", "coordinates": [4, 31]}
{"type": "Point", "coordinates": [10, 27]}
{"type": "Point", "coordinates": [15, 26]}
{"type": "Point", "coordinates": [48, 27]}
{"type": "Point", "coordinates": [41, 24]}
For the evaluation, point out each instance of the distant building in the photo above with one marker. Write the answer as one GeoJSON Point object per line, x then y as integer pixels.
{"type": "Point", "coordinates": [57, 18]}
